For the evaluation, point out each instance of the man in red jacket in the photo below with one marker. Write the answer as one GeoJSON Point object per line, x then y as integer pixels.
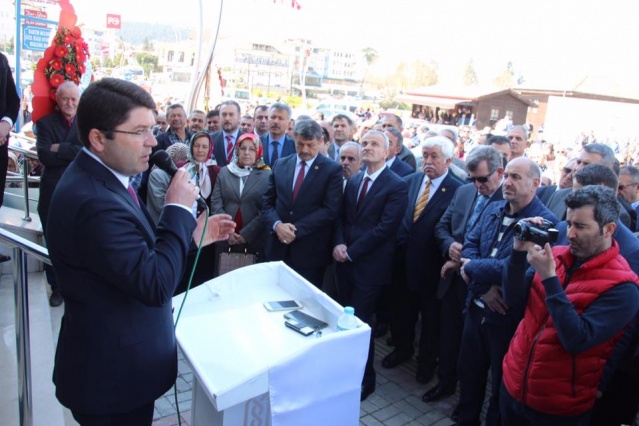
{"type": "Point", "coordinates": [579, 305]}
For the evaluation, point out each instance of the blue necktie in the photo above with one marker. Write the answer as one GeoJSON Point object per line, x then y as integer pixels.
{"type": "Point", "coordinates": [274, 154]}
{"type": "Point", "coordinates": [480, 202]}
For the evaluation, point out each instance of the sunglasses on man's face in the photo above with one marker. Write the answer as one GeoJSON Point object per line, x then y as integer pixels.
{"type": "Point", "coordinates": [480, 179]}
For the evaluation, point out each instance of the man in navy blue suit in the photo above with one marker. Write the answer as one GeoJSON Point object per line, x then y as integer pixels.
{"type": "Point", "coordinates": [277, 144]}
{"type": "Point", "coordinates": [116, 351]}
{"type": "Point", "coordinates": [375, 202]}
{"type": "Point", "coordinates": [420, 261]}
{"type": "Point", "coordinates": [301, 204]}
{"type": "Point", "coordinates": [224, 140]}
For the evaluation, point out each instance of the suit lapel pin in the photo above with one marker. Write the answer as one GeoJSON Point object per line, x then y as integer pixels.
{"type": "Point", "coordinates": [316, 167]}
{"type": "Point", "coordinates": [443, 189]}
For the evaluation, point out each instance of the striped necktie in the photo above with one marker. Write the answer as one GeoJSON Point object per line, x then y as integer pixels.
{"type": "Point", "coordinates": [229, 149]}
{"type": "Point", "coordinates": [421, 203]}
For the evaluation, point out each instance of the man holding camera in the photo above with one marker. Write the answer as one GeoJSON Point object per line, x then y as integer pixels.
{"type": "Point", "coordinates": [489, 323]}
{"type": "Point", "coordinates": [579, 301]}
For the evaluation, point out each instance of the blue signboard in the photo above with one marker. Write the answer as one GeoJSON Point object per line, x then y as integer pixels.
{"type": "Point", "coordinates": [35, 38]}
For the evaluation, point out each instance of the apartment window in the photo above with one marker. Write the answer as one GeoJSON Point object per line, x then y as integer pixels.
{"type": "Point", "coordinates": [181, 57]}
{"type": "Point", "coordinates": [494, 114]}
{"type": "Point", "coordinates": [509, 114]}
{"type": "Point", "coordinates": [169, 56]}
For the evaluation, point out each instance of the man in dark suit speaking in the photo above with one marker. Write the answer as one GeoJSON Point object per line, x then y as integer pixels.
{"type": "Point", "coordinates": [301, 204]}
{"type": "Point", "coordinates": [375, 202]}
{"type": "Point", "coordinates": [116, 350]}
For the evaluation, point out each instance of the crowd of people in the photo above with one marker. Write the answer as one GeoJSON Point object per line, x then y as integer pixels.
{"type": "Point", "coordinates": [431, 239]}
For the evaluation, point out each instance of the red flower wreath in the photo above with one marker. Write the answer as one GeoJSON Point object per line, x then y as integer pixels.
{"type": "Point", "coordinates": [70, 52]}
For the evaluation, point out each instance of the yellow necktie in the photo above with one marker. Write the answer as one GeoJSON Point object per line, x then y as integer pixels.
{"type": "Point", "coordinates": [421, 203]}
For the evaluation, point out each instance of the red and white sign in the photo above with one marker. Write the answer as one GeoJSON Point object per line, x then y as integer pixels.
{"type": "Point", "coordinates": [29, 22]}
{"type": "Point", "coordinates": [113, 21]}
{"type": "Point", "coordinates": [35, 13]}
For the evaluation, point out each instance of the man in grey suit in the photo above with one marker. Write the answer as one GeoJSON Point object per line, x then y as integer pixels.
{"type": "Point", "coordinates": [594, 153]}
{"type": "Point", "coordinates": [486, 171]}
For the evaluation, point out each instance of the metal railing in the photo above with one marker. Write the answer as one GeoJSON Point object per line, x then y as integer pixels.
{"type": "Point", "coordinates": [24, 177]}
{"type": "Point", "coordinates": [21, 248]}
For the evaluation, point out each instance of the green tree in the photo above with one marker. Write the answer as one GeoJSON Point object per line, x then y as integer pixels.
{"type": "Point", "coordinates": [148, 62]}
{"type": "Point", "coordinates": [371, 56]}
{"type": "Point", "coordinates": [147, 46]}
{"type": "Point", "coordinates": [470, 76]}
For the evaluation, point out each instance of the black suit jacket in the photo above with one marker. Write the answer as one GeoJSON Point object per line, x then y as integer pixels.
{"type": "Point", "coordinates": [452, 225]}
{"type": "Point", "coordinates": [9, 100]}
{"type": "Point", "coordinates": [53, 129]}
{"type": "Point", "coordinates": [287, 149]}
{"type": "Point", "coordinates": [407, 156]}
{"type": "Point", "coordinates": [218, 143]}
{"type": "Point", "coordinates": [557, 205]}
{"type": "Point", "coordinates": [313, 213]}
{"type": "Point", "coordinates": [423, 258]}
{"type": "Point", "coordinates": [116, 349]}
{"type": "Point", "coordinates": [164, 141]}
{"type": "Point", "coordinates": [9, 107]}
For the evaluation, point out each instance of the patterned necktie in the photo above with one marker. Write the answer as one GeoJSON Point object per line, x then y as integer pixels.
{"type": "Point", "coordinates": [133, 194]}
{"type": "Point", "coordinates": [362, 193]}
{"type": "Point", "coordinates": [480, 202]}
{"type": "Point", "coordinates": [421, 203]}
{"type": "Point", "coordinates": [299, 180]}
{"type": "Point", "coordinates": [229, 149]}
{"type": "Point", "coordinates": [274, 155]}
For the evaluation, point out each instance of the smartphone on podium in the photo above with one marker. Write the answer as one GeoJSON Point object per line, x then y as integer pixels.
{"type": "Point", "coordinates": [283, 305]}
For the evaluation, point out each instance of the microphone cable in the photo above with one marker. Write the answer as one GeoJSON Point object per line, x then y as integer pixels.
{"type": "Point", "coordinates": [186, 293]}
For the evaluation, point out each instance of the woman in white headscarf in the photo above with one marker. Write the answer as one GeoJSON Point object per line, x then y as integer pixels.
{"type": "Point", "coordinates": [159, 181]}
{"type": "Point", "coordinates": [201, 165]}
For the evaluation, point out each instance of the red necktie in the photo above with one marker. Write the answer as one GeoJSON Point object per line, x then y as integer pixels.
{"type": "Point", "coordinates": [362, 193]}
{"type": "Point", "coordinates": [299, 180]}
{"type": "Point", "coordinates": [229, 149]}
{"type": "Point", "coordinates": [133, 194]}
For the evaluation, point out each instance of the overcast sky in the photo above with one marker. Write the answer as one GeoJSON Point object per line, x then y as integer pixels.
{"type": "Point", "coordinates": [552, 43]}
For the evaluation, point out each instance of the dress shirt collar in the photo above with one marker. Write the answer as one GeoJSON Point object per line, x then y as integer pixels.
{"type": "Point", "coordinates": [309, 163]}
{"type": "Point", "coordinates": [374, 175]}
{"type": "Point", "coordinates": [434, 183]}
{"type": "Point", "coordinates": [124, 179]}
{"type": "Point", "coordinates": [233, 135]}
{"type": "Point", "coordinates": [390, 161]}
{"type": "Point", "coordinates": [280, 140]}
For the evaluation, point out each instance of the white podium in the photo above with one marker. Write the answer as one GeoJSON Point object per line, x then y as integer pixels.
{"type": "Point", "coordinates": [250, 369]}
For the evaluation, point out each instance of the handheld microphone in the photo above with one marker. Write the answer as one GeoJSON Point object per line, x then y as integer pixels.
{"type": "Point", "coordinates": [163, 160]}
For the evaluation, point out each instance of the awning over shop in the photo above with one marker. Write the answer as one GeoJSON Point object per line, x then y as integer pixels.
{"type": "Point", "coordinates": [432, 101]}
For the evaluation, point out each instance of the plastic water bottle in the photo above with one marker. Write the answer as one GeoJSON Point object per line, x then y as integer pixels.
{"type": "Point", "coordinates": [347, 321]}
